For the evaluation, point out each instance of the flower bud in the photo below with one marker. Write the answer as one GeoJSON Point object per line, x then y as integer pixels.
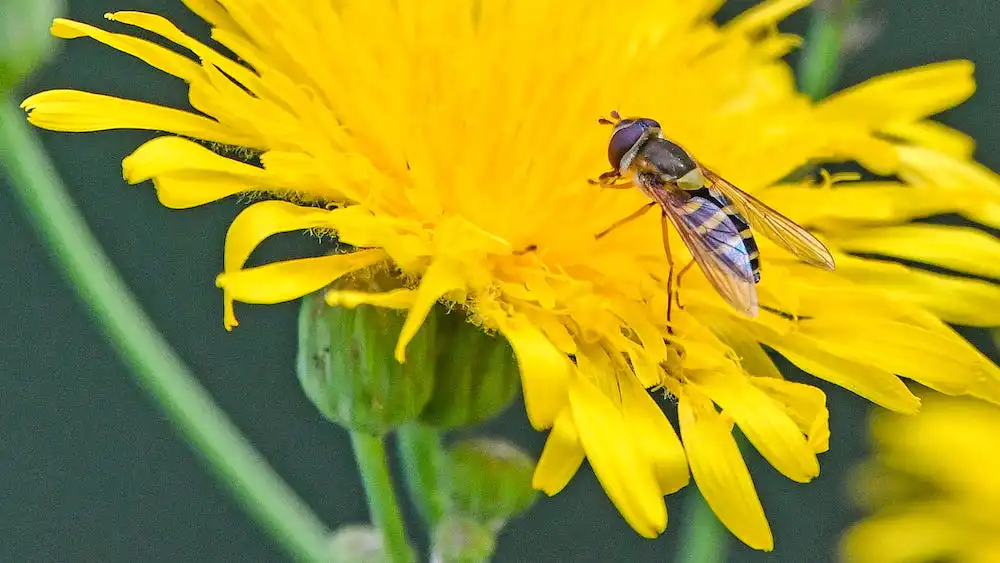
{"type": "Point", "coordinates": [25, 41]}
{"type": "Point", "coordinates": [357, 543]}
{"type": "Point", "coordinates": [462, 540]}
{"type": "Point", "coordinates": [347, 369]}
{"type": "Point", "coordinates": [490, 480]}
{"type": "Point", "coordinates": [475, 377]}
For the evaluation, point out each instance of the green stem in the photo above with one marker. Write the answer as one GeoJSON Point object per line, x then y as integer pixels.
{"type": "Point", "coordinates": [819, 66]}
{"type": "Point", "coordinates": [422, 455]}
{"type": "Point", "coordinates": [155, 366]}
{"type": "Point", "coordinates": [369, 451]}
{"type": "Point", "coordinates": [703, 538]}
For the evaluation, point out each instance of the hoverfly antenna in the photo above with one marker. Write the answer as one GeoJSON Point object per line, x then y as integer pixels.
{"type": "Point", "coordinates": [615, 118]}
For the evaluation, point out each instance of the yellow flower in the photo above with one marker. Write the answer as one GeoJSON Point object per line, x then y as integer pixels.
{"type": "Point", "coordinates": [444, 138]}
{"type": "Point", "coordinates": [932, 486]}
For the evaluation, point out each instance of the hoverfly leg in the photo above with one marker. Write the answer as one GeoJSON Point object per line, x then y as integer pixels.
{"type": "Point", "coordinates": [638, 213]}
{"type": "Point", "coordinates": [664, 224]}
{"type": "Point", "coordinates": [525, 250]}
{"type": "Point", "coordinates": [680, 275]}
{"type": "Point", "coordinates": [609, 180]}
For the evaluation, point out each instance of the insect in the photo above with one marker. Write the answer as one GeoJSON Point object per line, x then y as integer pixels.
{"type": "Point", "coordinates": [713, 217]}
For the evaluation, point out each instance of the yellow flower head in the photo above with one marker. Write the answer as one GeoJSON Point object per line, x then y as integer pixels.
{"type": "Point", "coordinates": [453, 141]}
{"type": "Point", "coordinates": [932, 487]}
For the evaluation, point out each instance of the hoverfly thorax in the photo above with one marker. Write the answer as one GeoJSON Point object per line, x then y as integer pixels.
{"type": "Point", "coordinates": [638, 147]}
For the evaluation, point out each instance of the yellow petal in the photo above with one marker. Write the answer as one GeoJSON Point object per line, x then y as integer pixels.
{"type": "Point", "coordinates": [187, 174]}
{"type": "Point", "coordinates": [291, 279]}
{"type": "Point", "coordinates": [902, 538]}
{"type": "Point", "coordinates": [560, 458]}
{"type": "Point", "coordinates": [877, 385]}
{"type": "Point", "coordinates": [934, 135]}
{"type": "Point", "coordinates": [252, 226]}
{"type": "Point", "coordinates": [765, 14]}
{"type": "Point", "coordinates": [964, 249]}
{"type": "Point", "coordinates": [637, 319]}
{"type": "Point", "coordinates": [396, 299]}
{"type": "Point", "coordinates": [146, 51]}
{"type": "Point", "coordinates": [721, 474]}
{"type": "Point", "coordinates": [545, 371]}
{"type": "Point", "coordinates": [933, 356]}
{"type": "Point", "coordinates": [166, 29]}
{"type": "Point", "coordinates": [753, 359]}
{"type": "Point", "coordinates": [441, 277]}
{"type": "Point", "coordinates": [658, 440]}
{"type": "Point", "coordinates": [764, 422]}
{"type": "Point", "coordinates": [902, 96]}
{"type": "Point", "coordinates": [954, 300]}
{"type": "Point", "coordinates": [263, 219]}
{"type": "Point", "coordinates": [74, 111]}
{"type": "Point", "coordinates": [212, 12]}
{"type": "Point", "coordinates": [625, 474]}
{"type": "Point", "coordinates": [805, 404]}
{"type": "Point", "coordinates": [961, 176]}
{"type": "Point", "coordinates": [863, 202]}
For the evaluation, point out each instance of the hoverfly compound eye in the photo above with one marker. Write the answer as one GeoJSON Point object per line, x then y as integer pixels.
{"type": "Point", "coordinates": [624, 137]}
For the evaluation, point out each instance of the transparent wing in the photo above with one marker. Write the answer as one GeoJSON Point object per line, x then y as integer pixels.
{"type": "Point", "coordinates": [718, 250]}
{"type": "Point", "coordinates": [775, 226]}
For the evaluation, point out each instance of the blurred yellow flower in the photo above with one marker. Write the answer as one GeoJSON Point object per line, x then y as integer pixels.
{"type": "Point", "coordinates": [442, 138]}
{"type": "Point", "coordinates": [932, 486]}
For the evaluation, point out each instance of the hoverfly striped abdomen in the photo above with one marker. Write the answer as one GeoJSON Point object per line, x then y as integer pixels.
{"type": "Point", "coordinates": [726, 210]}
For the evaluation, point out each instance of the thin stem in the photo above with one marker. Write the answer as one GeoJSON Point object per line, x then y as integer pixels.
{"type": "Point", "coordinates": [421, 453]}
{"type": "Point", "coordinates": [369, 451]}
{"type": "Point", "coordinates": [819, 67]}
{"type": "Point", "coordinates": [152, 362]}
{"type": "Point", "coordinates": [703, 538]}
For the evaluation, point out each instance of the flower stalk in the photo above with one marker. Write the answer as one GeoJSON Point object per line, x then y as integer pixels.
{"type": "Point", "coordinates": [155, 366]}
{"type": "Point", "coordinates": [369, 451]}
{"type": "Point", "coordinates": [702, 539]}
{"type": "Point", "coordinates": [819, 67]}
{"type": "Point", "coordinates": [422, 454]}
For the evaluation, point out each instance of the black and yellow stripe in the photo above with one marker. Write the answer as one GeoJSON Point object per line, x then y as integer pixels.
{"type": "Point", "coordinates": [727, 210]}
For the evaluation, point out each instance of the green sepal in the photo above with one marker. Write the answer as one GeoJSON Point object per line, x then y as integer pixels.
{"type": "Point", "coordinates": [347, 369]}
{"type": "Point", "coordinates": [490, 480]}
{"type": "Point", "coordinates": [476, 376]}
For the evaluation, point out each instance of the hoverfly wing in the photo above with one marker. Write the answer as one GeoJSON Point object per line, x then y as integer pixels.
{"type": "Point", "coordinates": [716, 246]}
{"type": "Point", "coordinates": [775, 226]}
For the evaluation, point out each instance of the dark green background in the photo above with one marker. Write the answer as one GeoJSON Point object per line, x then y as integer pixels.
{"type": "Point", "coordinates": [91, 471]}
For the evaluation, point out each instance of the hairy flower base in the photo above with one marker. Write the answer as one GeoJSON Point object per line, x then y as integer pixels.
{"type": "Point", "coordinates": [441, 143]}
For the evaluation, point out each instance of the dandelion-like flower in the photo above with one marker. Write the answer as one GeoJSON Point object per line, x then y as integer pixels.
{"type": "Point", "coordinates": [453, 141]}
{"type": "Point", "coordinates": [931, 486]}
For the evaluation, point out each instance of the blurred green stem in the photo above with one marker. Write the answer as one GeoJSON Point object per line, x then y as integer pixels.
{"type": "Point", "coordinates": [155, 366]}
{"type": "Point", "coordinates": [422, 455]}
{"type": "Point", "coordinates": [819, 66]}
{"type": "Point", "coordinates": [369, 451]}
{"type": "Point", "coordinates": [703, 538]}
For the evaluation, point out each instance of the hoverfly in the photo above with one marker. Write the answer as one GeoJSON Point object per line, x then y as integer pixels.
{"type": "Point", "coordinates": [713, 217]}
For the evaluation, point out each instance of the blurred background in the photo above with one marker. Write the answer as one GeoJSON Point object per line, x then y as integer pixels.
{"type": "Point", "coordinates": [91, 470]}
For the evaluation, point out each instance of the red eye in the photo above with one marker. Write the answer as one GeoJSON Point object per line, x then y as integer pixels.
{"type": "Point", "coordinates": [623, 140]}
